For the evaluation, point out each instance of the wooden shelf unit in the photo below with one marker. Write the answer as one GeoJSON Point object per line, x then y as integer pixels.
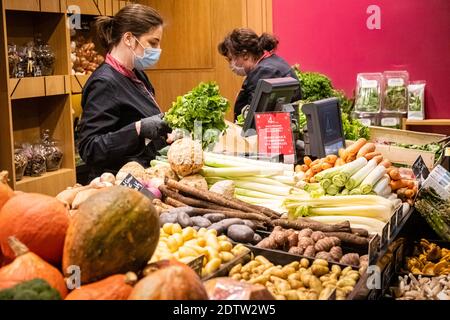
{"type": "Point", "coordinates": [428, 122]}
{"type": "Point", "coordinates": [30, 105]}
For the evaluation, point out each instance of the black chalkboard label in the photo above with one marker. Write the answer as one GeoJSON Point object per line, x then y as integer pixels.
{"type": "Point", "coordinates": [133, 183]}
{"type": "Point", "coordinates": [197, 265]}
{"type": "Point", "coordinates": [374, 246]}
{"type": "Point", "coordinates": [420, 170]}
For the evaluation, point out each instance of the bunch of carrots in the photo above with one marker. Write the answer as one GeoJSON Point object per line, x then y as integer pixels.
{"type": "Point", "coordinates": [406, 189]}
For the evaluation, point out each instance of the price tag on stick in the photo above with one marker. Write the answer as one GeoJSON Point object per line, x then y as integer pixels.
{"type": "Point", "coordinates": [133, 183]}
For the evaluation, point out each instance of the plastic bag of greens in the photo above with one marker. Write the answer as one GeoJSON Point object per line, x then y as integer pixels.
{"type": "Point", "coordinates": [396, 91]}
{"type": "Point", "coordinates": [368, 92]}
{"type": "Point", "coordinates": [416, 100]}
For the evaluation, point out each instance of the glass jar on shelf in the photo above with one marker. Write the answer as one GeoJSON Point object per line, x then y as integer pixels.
{"type": "Point", "coordinates": [20, 162]}
{"type": "Point", "coordinates": [52, 151]}
{"type": "Point", "coordinates": [45, 59]}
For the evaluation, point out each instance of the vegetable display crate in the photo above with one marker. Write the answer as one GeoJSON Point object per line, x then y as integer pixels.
{"type": "Point", "coordinates": [283, 258]}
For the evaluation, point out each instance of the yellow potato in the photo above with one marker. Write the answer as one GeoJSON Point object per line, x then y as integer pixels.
{"type": "Point", "coordinates": [346, 282]}
{"type": "Point", "coordinates": [321, 262]}
{"type": "Point", "coordinates": [294, 276]}
{"type": "Point", "coordinates": [312, 295]}
{"type": "Point", "coordinates": [167, 228]}
{"type": "Point", "coordinates": [294, 264]}
{"type": "Point", "coordinates": [262, 279]}
{"type": "Point", "coordinates": [280, 297]}
{"type": "Point", "coordinates": [239, 249]}
{"type": "Point", "coordinates": [172, 244]}
{"type": "Point", "coordinates": [236, 276]}
{"type": "Point", "coordinates": [225, 246]}
{"type": "Point", "coordinates": [283, 286]}
{"type": "Point", "coordinates": [212, 253]}
{"type": "Point", "coordinates": [211, 241]}
{"type": "Point", "coordinates": [223, 238]}
{"type": "Point", "coordinates": [315, 284]}
{"type": "Point", "coordinates": [226, 256]}
{"type": "Point", "coordinates": [304, 263]}
{"type": "Point", "coordinates": [198, 249]}
{"type": "Point", "coordinates": [319, 270]}
{"type": "Point", "coordinates": [295, 284]}
{"type": "Point", "coordinates": [187, 252]}
{"type": "Point", "coordinates": [236, 269]}
{"type": "Point", "coordinates": [245, 275]}
{"type": "Point", "coordinates": [262, 260]}
{"type": "Point", "coordinates": [346, 270]}
{"type": "Point", "coordinates": [291, 295]}
{"type": "Point", "coordinates": [176, 228]}
{"type": "Point", "coordinates": [212, 265]}
{"type": "Point", "coordinates": [336, 269]}
{"type": "Point", "coordinates": [201, 232]}
{"type": "Point", "coordinates": [188, 233]}
{"type": "Point", "coordinates": [201, 242]}
{"type": "Point", "coordinates": [212, 232]}
{"type": "Point", "coordinates": [249, 266]}
{"type": "Point", "coordinates": [178, 238]}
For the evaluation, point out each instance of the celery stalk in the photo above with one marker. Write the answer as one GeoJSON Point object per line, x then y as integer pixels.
{"type": "Point", "coordinates": [238, 172]}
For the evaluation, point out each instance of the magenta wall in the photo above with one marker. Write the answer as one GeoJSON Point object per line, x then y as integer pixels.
{"type": "Point", "coordinates": [331, 36]}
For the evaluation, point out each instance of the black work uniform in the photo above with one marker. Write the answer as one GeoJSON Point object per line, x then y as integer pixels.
{"type": "Point", "coordinates": [112, 104]}
{"type": "Point", "coordinates": [268, 68]}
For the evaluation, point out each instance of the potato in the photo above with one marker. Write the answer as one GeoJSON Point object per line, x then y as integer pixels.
{"type": "Point", "coordinates": [291, 295]}
{"type": "Point", "coordinates": [212, 265]}
{"type": "Point", "coordinates": [315, 284]}
{"type": "Point", "coordinates": [184, 252]}
{"type": "Point", "coordinates": [249, 266]}
{"type": "Point", "coordinates": [256, 238]}
{"type": "Point", "coordinates": [172, 244]}
{"type": "Point", "coordinates": [295, 284]}
{"type": "Point", "coordinates": [250, 224]}
{"type": "Point", "coordinates": [304, 263]}
{"type": "Point", "coordinates": [167, 218]}
{"type": "Point", "coordinates": [201, 222]}
{"type": "Point", "coordinates": [275, 271]}
{"type": "Point", "coordinates": [263, 260]}
{"type": "Point", "coordinates": [336, 269]}
{"type": "Point", "coordinates": [288, 270]}
{"type": "Point", "coordinates": [283, 286]}
{"type": "Point", "coordinates": [346, 270]}
{"type": "Point", "coordinates": [245, 275]}
{"type": "Point", "coordinates": [211, 253]}
{"type": "Point", "coordinates": [239, 249]}
{"type": "Point", "coordinates": [236, 276]}
{"type": "Point", "coordinates": [280, 297]}
{"type": "Point", "coordinates": [312, 295]}
{"type": "Point", "coordinates": [294, 264]}
{"type": "Point", "coordinates": [198, 249]}
{"type": "Point", "coordinates": [236, 269]}
{"type": "Point", "coordinates": [188, 233]}
{"type": "Point", "coordinates": [225, 246]}
{"type": "Point", "coordinates": [222, 226]}
{"type": "Point", "coordinates": [167, 228]}
{"type": "Point", "coordinates": [176, 228]}
{"type": "Point", "coordinates": [223, 238]}
{"type": "Point", "coordinates": [319, 270]}
{"type": "Point", "coordinates": [201, 242]}
{"type": "Point", "coordinates": [178, 238]}
{"type": "Point", "coordinates": [294, 276]}
{"type": "Point", "coordinates": [211, 241]}
{"type": "Point", "coordinates": [226, 256]}
{"type": "Point", "coordinates": [262, 279]}
{"type": "Point", "coordinates": [214, 217]}
{"type": "Point", "coordinates": [346, 282]}
{"type": "Point", "coordinates": [321, 262]}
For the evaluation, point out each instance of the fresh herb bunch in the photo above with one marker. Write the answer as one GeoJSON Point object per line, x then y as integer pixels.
{"type": "Point", "coordinates": [396, 98]}
{"type": "Point", "coordinates": [202, 104]}
{"type": "Point", "coordinates": [368, 100]}
{"type": "Point", "coordinates": [316, 86]}
{"type": "Point", "coordinates": [431, 147]}
{"type": "Point", "coordinates": [415, 102]}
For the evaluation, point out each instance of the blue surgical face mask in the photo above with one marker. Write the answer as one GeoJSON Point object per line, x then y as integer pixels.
{"type": "Point", "coordinates": [150, 58]}
{"type": "Point", "coordinates": [240, 71]}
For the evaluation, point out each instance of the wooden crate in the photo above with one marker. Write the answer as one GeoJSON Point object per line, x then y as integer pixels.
{"type": "Point", "coordinates": [26, 88]}
{"type": "Point", "coordinates": [78, 82]}
{"type": "Point", "coordinates": [403, 136]}
{"type": "Point", "coordinates": [25, 5]}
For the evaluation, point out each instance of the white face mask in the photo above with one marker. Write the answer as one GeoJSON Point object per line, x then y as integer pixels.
{"type": "Point", "coordinates": [240, 71]}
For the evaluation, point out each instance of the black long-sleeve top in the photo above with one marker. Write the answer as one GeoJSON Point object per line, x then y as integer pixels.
{"type": "Point", "coordinates": [271, 67]}
{"type": "Point", "coordinates": [112, 103]}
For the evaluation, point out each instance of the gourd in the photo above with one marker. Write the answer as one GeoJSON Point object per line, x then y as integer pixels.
{"type": "Point", "coordinates": [6, 192]}
{"type": "Point", "coordinates": [116, 287]}
{"type": "Point", "coordinates": [38, 221]}
{"type": "Point", "coordinates": [113, 232]}
{"type": "Point", "coordinates": [28, 266]}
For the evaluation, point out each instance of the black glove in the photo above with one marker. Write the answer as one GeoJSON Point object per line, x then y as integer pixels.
{"type": "Point", "coordinates": [154, 127]}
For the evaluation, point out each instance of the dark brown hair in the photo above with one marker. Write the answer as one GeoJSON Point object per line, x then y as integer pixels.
{"type": "Point", "coordinates": [135, 18]}
{"type": "Point", "coordinates": [244, 40]}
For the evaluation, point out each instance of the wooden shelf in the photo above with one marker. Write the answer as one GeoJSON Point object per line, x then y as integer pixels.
{"type": "Point", "coordinates": [77, 83]}
{"type": "Point", "coordinates": [428, 122]}
{"type": "Point", "coordinates": [50, 183]}
{"type": "Point", "coordinates": [21, 88]}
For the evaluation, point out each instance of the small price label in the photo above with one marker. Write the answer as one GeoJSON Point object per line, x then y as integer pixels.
{"type": "Point", "coordinates": [396, 82]}
{"type": "Point", "coordinates": [369, 84]}
{"type": "Point", "coordinates": [393, 225]}
{"type": "Point", "coordinates": [374, 246]}
{"type": "Point", "coordinates": [389, 122]}
{"type": "Point", "coordinates": [366, 122]}
{"type": "Point", "coordinates": [131, 182]}
{"type": "Point", "coordinates": [420, 170]}
{"type": "Point", "coordinates": [384, 235]}
{"type": "Point", "coordinates": [197, 265]}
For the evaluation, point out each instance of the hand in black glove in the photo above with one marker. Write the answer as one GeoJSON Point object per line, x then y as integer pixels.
{"type": "Point", "coordinates": [154, 127]}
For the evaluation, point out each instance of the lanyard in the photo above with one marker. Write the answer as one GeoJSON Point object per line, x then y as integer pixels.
{"type": "Point", "coordinates": [266, 54]}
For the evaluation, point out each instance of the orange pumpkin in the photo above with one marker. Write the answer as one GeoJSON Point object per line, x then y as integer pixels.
{"type": "Point", "coordinates": [38, 221]}
{"type": "Point", "coordinates": [117, 287]}
{"type": "Point", "coordinates": [171, 282]}
{"type": "Point", "coordinates": [28, 266]}
{"type": "Point", "coordinates": [6, 192]}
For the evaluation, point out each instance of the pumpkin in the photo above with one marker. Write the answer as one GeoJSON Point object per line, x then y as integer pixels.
{"type": "Point", "coordinates": [113, 232]}
{"type": "Point", "coordinates": [38, 221]}
{"type": "Point", "coordinates": [116, 287]}
{"type": "Point", "coordinates": [171, 282]}
{"type": "Point", "coordinates": [28, 266]}
{"type": "Point", "coordinates": [6, 192]}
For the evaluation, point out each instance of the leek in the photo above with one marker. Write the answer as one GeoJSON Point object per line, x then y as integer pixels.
{"type": "Point", "coordinates": [345, 192]}
{"type": "Point", "coordinates": [154, 163]}
{"type": "Point", "coordinates": [369, 182]}
{"type": "Point", "coordinates": [333, 190]}
{"type": "Point", "coordinates": [268, 181]}
{"type": "Point", "coordinates": [348, 170]}
{"type": "Point", "coordinates": [330, 201]}
{"type": "Point", "coordinates": [289, 180]}
{"type": "Point", "coordinates": [382, 186]}
{"type": "Point", "coordinates": [238, 172]}
{"type": "Point", "coordinates": [241, 161]}
{"type": "Point", "coordinates": [312, 186]}
{"type": "Point", "coordinates": [274, 190]}
{"type": "Point", "coordinates": [257, 194]}
{"type": "Point", "coordinates": [379, 212]}
{"type": "Point", "coordinates": [327, 174]}
{"type": "Point", "coordinates": [355, 192]}
{"type": "Point", "coordinates": [325, 183]}
{"type": "Point", "coordinates": [317, 193]}
{"type": "Point", "coordinates": [356, 179]}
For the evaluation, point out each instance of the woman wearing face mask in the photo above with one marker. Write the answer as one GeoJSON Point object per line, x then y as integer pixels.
{"type": "Point", "coordinates": [253, 57]}
{"type": "Point", "coordinates": [121, 119]}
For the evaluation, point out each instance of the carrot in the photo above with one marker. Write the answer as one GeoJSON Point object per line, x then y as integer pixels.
{"type": "Point", "coordinates": [317, 161]}
{"type": "Point", "coordinates": [342, 153]}
{"type": "Point", "coordinates": [316, 168]}
{"type": "Point", "coordinates": [409, 193]}
{"type": "Point", "coordinates": [378, 159]}
{"type": "Point", "coordinates": [371, 155]}
{"type": "Point", "coordinates": [386, 163]}
{"type": "Point", "coordinates": [307, 160]}
{"type": "Point", "coordinates": [339, 162]}
{"type": "Point", "coordinates": [331, 158]}
{"type": "Point", "coordinates": [312, 180]}
{"type": "Point", "coordinates": [350, 158]}
{"type": "Point", "coordinates": [354, 148]}
{"type": "Point", "coordinates": [395, 174]}
{"type": "Point", "coordinates": [367, 148]}
{"type": "Point", "coordinates": [326, 165]}
{"type": "Point", "coordinates": [402, 183]}
{"type": "Point", "coordinates": [309, 174]}
{"type": "Point", "coordinates": [401, 193]}
{"type": "Point", "coordinates": [304, 167]}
